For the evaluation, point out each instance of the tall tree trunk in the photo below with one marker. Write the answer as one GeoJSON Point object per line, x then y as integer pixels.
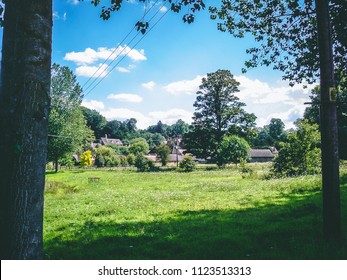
{"type": "Point", "coordinates": [24, 108]}
{"type": "Point", "coordinates": [329, 134]}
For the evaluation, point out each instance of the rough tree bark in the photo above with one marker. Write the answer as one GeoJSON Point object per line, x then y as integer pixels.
{"type": "Point", "coordinates": [24, 108]}
{"type": "Point", "coordinates": [329, 134]}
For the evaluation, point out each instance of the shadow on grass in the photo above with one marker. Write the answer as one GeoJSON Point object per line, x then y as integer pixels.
{"type": "Point", "coordinates": [288, 231]}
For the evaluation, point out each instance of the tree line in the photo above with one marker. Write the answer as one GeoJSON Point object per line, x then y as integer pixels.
{"type": "Point", "coordinates": [222, 130]}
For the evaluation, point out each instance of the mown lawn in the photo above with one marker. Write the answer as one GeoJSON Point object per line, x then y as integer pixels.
{"type": "Point", "coordinates": [206, 214]}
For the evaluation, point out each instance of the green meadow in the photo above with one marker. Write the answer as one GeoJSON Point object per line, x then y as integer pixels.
{"type": "Point", "coordinates": [206, 214]}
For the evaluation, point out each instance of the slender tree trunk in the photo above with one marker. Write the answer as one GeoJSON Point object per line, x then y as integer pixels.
{"type": "Point", "coordinates": [329, 134]}
{"type": "Point", "coordinates": [24, 108]}
{"type": "Point", "coordinates": [56, 165]}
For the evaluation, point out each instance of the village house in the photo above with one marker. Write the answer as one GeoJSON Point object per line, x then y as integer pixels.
{"type": "Point", "coordinates": [108, 141]}
{"type": "Point", "coordinates": [263, 155]}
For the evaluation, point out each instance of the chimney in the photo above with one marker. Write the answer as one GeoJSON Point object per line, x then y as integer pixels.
{"type": "Point", "coordinates": [106, 136]}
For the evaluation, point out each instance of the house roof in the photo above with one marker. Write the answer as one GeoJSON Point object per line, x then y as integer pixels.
{"type": "Point", "coordinates": [108, 141]}
{"type": "Point", "coordinates": [261, 153]}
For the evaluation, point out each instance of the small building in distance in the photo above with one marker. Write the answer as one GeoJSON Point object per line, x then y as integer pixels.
{"type": "Point", "coordinates": [263, 155]}
{"type": "Point", "coordinates": [108, 141]}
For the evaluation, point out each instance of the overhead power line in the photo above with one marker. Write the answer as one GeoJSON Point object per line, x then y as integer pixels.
{"type": "Point", "coordinates": [101, 69]}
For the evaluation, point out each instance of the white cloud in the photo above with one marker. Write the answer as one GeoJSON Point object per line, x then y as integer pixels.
{"type": "Point", "coordinates": [123, 69]}
{"type": "Point", "coordinates": [150, 85]}
{"type": "Point", "coordinates": [262, 93]}
{"type": "Point", "coordinates": [163, 9]}
{"type": "Point", "coordinates": [93, 105]}
{"type": "Point", "coordinates": [277, 100]}
{"type": "Point", "coordinates": [74, 2]}
{"type": "Point", "coordinates": [90, 56]}
{"type": "Point", "coordinates": [288, 117]}
{"type": "Point", "coordinates": [126, 97]}
{"type": "Point", "coordinates": [57, 16]}
{"type": "Point", "coordinates": [92, 71]}
{"type": "Point", "coordinates": [185, 86]}
{"type": "Point", "coordinates": [171, 116]}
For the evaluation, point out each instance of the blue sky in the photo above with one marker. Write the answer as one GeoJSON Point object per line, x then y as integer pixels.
{"type": "Point", "coordinates": [158, 78]}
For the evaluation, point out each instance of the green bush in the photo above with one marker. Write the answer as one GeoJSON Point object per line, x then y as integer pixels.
{"type": "Point", "coordinates": [163, 152]}
{"type": "Point", "coordinates": [301, 154]}
{"type": "Point", "coordinates": [144, 164]}
{"type": "Point", "coordinates": [131, 159]}
{"type": "Point", "coordinates": [139, 146]}
{"type": "Point", "coordinates": [246, 171]}
{"type": "Point", "coordinates": [187, 164]}
{"type": "Point", "coordinates": [106, 156]}
{"type": "Point", "coordinates": [123, 160]}
{"type": "Point", "coordinates": [233, 149]}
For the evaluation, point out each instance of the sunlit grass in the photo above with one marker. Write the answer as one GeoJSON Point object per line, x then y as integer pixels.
{"type": "Point", "coordinates": [215, 214]}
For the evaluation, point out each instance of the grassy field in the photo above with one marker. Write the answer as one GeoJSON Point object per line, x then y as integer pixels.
{"type": "Point", "coordinates": [206, 214]}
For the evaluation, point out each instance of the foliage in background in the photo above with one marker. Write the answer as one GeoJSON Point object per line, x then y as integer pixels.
{"type": "Point", "coordinates": [301, 154]}
{"type": "Point", "coordinates": [163, 152]}
{"type": "Point", "coordinates": [187, 164]}
{"type": "Point", "coordinates": [95, 121]}
{"type": "Point", "coordinates": [144, 164]}
{"type": "Point", "coordinates": [270, 135]}
{"type": "Point", "coordinates": [139, 146]}
{"type": "Point", "coordinates": [233, 149]}
{"type": "Point", "coordinates": [106, 157]}
{"type": "Point", "coordinates": [131, 159]}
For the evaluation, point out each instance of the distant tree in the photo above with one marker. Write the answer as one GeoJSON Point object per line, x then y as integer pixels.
{"type": "Point", "coordinates": [160, 128]}
{"type": "Point", "coordinates": [67, 129]}
{"type": "Point", "coordinates": [276, 129]}
{"type": "Point", "coordinates": [153, 139]}
{"type": "Point", "coordinates": [270, 135]}
{"type": "Point", "coordinates": [139, 146]}
{"type": "Point", "coordinates": [163, 152]}
{"type": "Point", "coordinates": [95, 121]}
{"type": "Point", "coordinates": [187, 164]}
{"type": "Point", "coordinates": [179, 128]}
{"type": "Point", "coordinates": [217, 111]}
{"type": "Point", "coordinates": [124, 131]}
{"type": "Point", "coordinates": [301, 154]}
{"type": "Point", "coordinates": [233, 149]}
{"type": "Point", "coordinates": [106, 157]}
{"type": "Point", "coordinates": [262, 139]}
{"type": "Point", "coordinates": [144, 164]}
{"type": "Point", "coordinates": [130, 126]}
{"type": "Point", "coordinates": [114, 129]}
{"type": "Point", "coordinates": [86, 158]}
